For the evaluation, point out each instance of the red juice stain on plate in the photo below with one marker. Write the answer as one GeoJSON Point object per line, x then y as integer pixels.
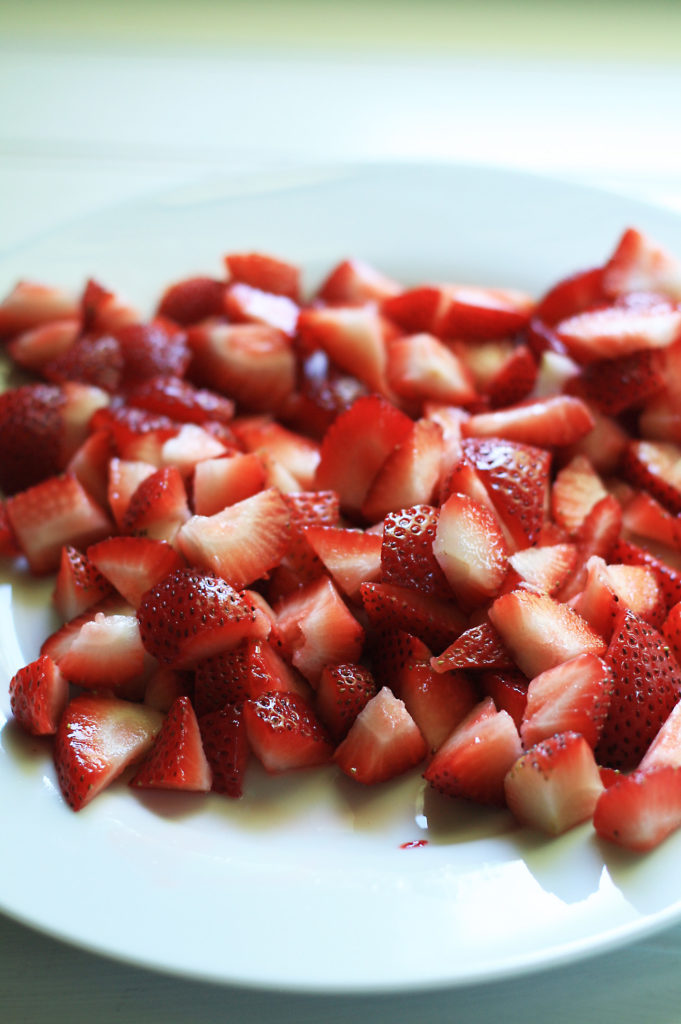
{"type": "Point", "coordinates": [413, 844]}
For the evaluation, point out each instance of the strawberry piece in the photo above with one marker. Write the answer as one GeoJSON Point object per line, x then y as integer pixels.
{"type": "Point", "coordinates": [318, 629]}
{"type": "Point", "coordinates": [179, 400]}
{"type": "Point", "coordinates": [164, 685]}
{"type": "Point", "coordinates": [353, 337]}
{"type": "Point", "coordinates": [39, 692]}
{"type": "Point", "coordinates": [158, 507]}
{"type": "Point", "coordinates": [421, 368]}
{"type": "Point", "coordinates": [225, 745]}
{"type": "Point", "coordinates": [34, 348]}
{"type": "Point", "coordinates": [610, 587]}
{"type": "Point", "coordinates": [668, 578]}
{"type": "Point", "coordinates": [300, 565]}
{"type": "Point", "coordinates": [135, 433]}
{"type": "Point", "coordinates": [407, 557]}
{"type": "Point", "coordinates": [470, 549]}
{"type": "Point", "coordinates": [516, 478]}
{"type": "Point", "coordinates": [342, 692]}
{"type": "Point", "coordinates": [192, 300]}
{"type": "Point", "coordinates": [324, 392]}
{"type": "Point", "coordinates": [540, 632]}
{"type": "Point", "coordinates": [433, 621]}
{"type": "Point", "coordinates": [97, 739]}
{"type": "Point", "coordinates": [616, 331]}
{"type": "Point", "coordinates": [665, 750]}
{"type": "Point", "coordinates": [102, 311]}
{"type": "Point", "coordinates": [417, 310]}
{"type": "Point", "coordinates": [225, 481]}
{"type": "Point", "coordinates": [409, 475]}
{"type": "Point", "coordinates": [351, 557]}
{"type": "Point", "coordinates": [597, 536]}
{"type": "Point", "coordinates": [191, 615]}
{"type": "Point", "coordinates": [250, 363]}
{"type": "Point", "coordinates": [603, 445]}
{"type": "Point", "coordinates": [98, 361]}
{"type": "Point", "coordinates": [473, 762]}
{"type": "Point", "coordinates": [52, 513]}
{"type": "Point", "coordinates": [371, 429]}
{"type": "Point", "coordinates": [576, 489]}
{"type": "Point", "coordinates": [30, 304]}
{"type": "Point", "coordinates": [571, 295]}
{"type": "Point", "coordinates": [124, 477]}
{"type": "Point", "coordinates": [644, 516]}
{"type": "Point", "coordinates": [155, 349]}
{"type": "Point", "coordinates": [671, 630]}
{"type": "Point", "coordinates": [32, 431]}
{"type": "Point", "coordinates": [571, 697]}
{"type": "Point", "coordinates": [192, 444]}
{"type": "Point", "coordinates": [266, 272]}
{"type": "Point", "coordinates": [557, 420]}
{"type": "Point", "coordinates": [90, 465]}
{"type": "Point", "coordinates": [508, 690]}
{"type": "Point", "coordinates": [252, 668]}
{"type": "Point", "coordinates": [132, 565]}
{"type": "Point", "coordinates": [640, 265]}
{"type": "Point", "coordinates": [177, 760]}
{"type": "Point", "coordinates": [247, 305]}
{"type": "Point", "coordinates": [647, 686]}
{"type": "Point", "coordinates": [241, 543]}
{"type": "Point", "coordinates": [354, 283]}
{"type": "Point", "coordinates": [391, 650]}
{"type": "Point", "coordinates": [383, 742]}
{"type": "Point", "coordinates": [298, 454]}
{"type": "Point", "coordinates": [655, 466]}
{"type": "Point", "coordinates": [623, 382]}
{"type": "Point", "coordinates": [555, 785]}
{"type": "Point", "coordinates": [285, 733]}
{"type": "Point", "coordinates": [437, 701]}
{"type": "Point", "coordinates": [476, 312]}
{"type": "Point", "coordinates": [478, 647]}
{"type": "Point", "coordinates": [545, 568]}
{"type": "Point", "coordinates": [79, 584]}
{"type": "Point", "coordinates": [640, 810]}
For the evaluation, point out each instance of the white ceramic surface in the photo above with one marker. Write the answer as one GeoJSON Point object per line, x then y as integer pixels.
{"type": "Point", "coordinates": [306, 884]}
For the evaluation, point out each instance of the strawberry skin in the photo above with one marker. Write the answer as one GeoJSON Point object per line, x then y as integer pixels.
{"type": "Point", "coordinates": [555, 785]}
{"type": "Point", "coordinates": [285, 733]}
{"type": "Point", "coordinates": [571, 697]}
{"type": "Point", "coordinates": [342, 692]}
{"type": "Point", "coordinates": [177, 759]}
{"type": "Point", "coordinates": [384, 741]}
{"type": "Point", "coordinates": [32, 434]}
{"type": "Point", "coordinates": [471, 550]}
{"type": "Point", "coordinates": [407, 557]}
{"type": "Point", "coordinates": [192, 615]}
{"type": "Point", "coordinates": [98, 737]}
{"type": "Point", "coordinates": [479, 647]}
{"type": "Point", "coordinates": [640, 810]}
{"type": "Point", "coordinates": [225, 745]}
{"type": "Point", "coordinates": [38, 695]}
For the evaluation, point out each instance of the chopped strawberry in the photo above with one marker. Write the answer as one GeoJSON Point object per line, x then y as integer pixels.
{"type": "Point", "coordinates": [383, 742]}
{"type": "Point", "coordinates": [421, 368]}
{"type": "Point", "coordinates": [437, 701]}
{"type": "Point", "coordinates": [225, 481]}
{"type": "Point", "coordinates": [576, 489]}
{"type": "Point", "coordinates": [555, 785]}
{"type": "Point", "coordinates": [545, 568]}
{"type": "Point", "coordinates": [342, 692]}
{"type": "Point", "coordinates": [479, 647]}
{"type": "Point", "coordinates": [508, 690]}
{"type": "Point", "coordinates": [52, 513]}
{"type": "Point", "coordinates": [266, 272]}
{"type": "Point", "coordinates": [154, 349]}
{"type": "Point", "coordinates": [318, 629]}
{"type": "Point", "coordinates": [621, 383]}
{"type": "Point", "coordinates": [176, 761]}
{"type": "Point", "coordinates": [558, 420]}
{"type": "Point", "coordinates": [666, 746]}
{"type": "Point", "coordinates": [241, 543]}
{"type": "Point", "coordinates": [647, 686]}
{"type": "Point", "coordinates": [475, 312]}
{"type": "Point", "coordinates": [354, 283]}
{"type": "Point", "coordinates": [351, 557]}
{"type": "Point", "coordinates": [417, 310]}
{"type": "Point", "coordinates": [540, 632]}
{"type": "Point", "coordinates": [298, 454]}
{"type": "Point", "coordinates": [668, 578]}
{"type": "Point", "coordinates": [603, 445]}
{"type": "Point", "coordinates": [164, 685]}
{"type": "Point", "coordinates": [284, 732]}
{"type": "Point", "coordinates": [90, 465]}
{"type": "Point", "coordinates": [640, 810]}
{"type": "Point", "coordinates": [407, 557]}
{"type": "Point", "coordinates": [252, 364]}
{"type": "Point", "coordinates": [158, 507]}
{"type": "Point", "coordinates": [97, 739]}
{"type": "Point", "coordinates": [470, 549]}
{"type": "Point", "coordinates": [79, 584]}
{"type": "Point", "coordinates": [475, 759]}
{"type": "Point", "coordinates": [639, 264]}
{"type": "Point", "coordinates": [571, 295]}
{"type": "Point", "coordinates": [514, 379]}
{"type": "Point", "coordinates": [34, 348]}
{"type": "Point", "coordinates": [354, 338]}
{"type": "Point", "coordinates": [225, 745]}
{"type": "Point", "coordinates": [393, 649]}
{"type": "Point", "coordinates": [608, 588]}
{"type": "Point", "coordinates": [573, 696]}
{"type": "Point", "coordinates": [191, 615]}
{"type": "Point", "coordinates": [102, 311]}
{"type": "Point", "coordinates": [371, 429]}
{"type": "Point", "coordinates": [98, 361]}
{"type": "Point", "coordinates": [434, 621]}
{"type": "Point", "coordinates": [32, 431]}
{"type": "Point", "coordinates": [30, 304]}
{"type": "Point", "coordinates": [192, 300]}
{"type": "Point", "coordinates": [516, 478]}
{"type": "Point", "coordinates": [615, 331]}
{"type": "Point", "coordinates": [180, 400]}
{"type": "Point", "coordinates": [597, 536]}
{"type": "Point", "coordinates": [645, 517]}
{"type": "Point", "coordinates": [39, 692]}
{"type": "Point", "coordinates": [133, 565]}
{"type": "Point", "coordinates": [250, 669]}
{"type": "Point", "coordinates": [124, 477]}
{"type": "Point", "coordinates": [323, 392]}
{"type": "Point", "coordinates": [409, 475]}
{"type": "Point", "coordinates": [655, 466]}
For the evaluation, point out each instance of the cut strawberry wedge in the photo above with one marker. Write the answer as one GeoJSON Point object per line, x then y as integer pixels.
{"type": "Point", "coordinates": [79, 584]}
{"type": "Point", "coordinates": [252, 668]}
{"type": "Point", "coordinates": [555, 785]}
{"type": "Point", "coordinates": [421, 368]}
{"type": "Point", "coordinates": [132, 565]}
{"type": "Point", "coordinates": [353, 337]}
{"type": "Point", "coordinates": [31, 304]}
{"type": "Point", "coordinates": [352, 557]}
{"type": "Point", "coordinates": [437, 701]}
{"type": "Point", "coordinates": [479, 647]}
{"type": "Point", "coordinates": [470, 549]}
{"type": "Point", "coordinates": [285, 733]}
{"type": "Point", "coordinates": [39, 692]}
{"type": "Point", "coordinates": [225, 745]}
{"type": "Point", "coordinates": [559, 420]}
{"type": "Point", "coordinates": [383, 742]}
{"type": "Point", "coordinates": [176, 760]}
{"type": "Point", "coordinates": [619, 331]}
{"type": "Point", "coordinates": [639, 264]}
{"type": "Point", "coordinates": [434, 621]}
{"type": "Point", "coordinates": [640, 810]}
{"type": "Point", "coordinates": [354, 283]}
{"type": "Point", "coordinates": [655, 466]}
{"type": "Point", "coordinates": [407, 557]}
{"type": "Point", "coordinates": [264, 271]}
{"type": "Point", "coordinates": [409, 475]}
{"type": "Point", "coordinates": [97, 739]}
{"type": "Point", "coordinates": [571, 697]}
{"type": "Point", "coordinates": [342, 692]}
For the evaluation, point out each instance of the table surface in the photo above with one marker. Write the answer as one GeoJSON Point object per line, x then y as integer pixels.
{"type": "Point", "coordinates": [97, 106]}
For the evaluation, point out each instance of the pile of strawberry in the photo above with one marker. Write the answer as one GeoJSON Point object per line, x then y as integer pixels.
{"type": "Point", "coordinates": [433, 527]}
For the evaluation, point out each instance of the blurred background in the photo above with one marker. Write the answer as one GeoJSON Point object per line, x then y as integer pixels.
{"type": "Point", "coordinates": [102, 101]}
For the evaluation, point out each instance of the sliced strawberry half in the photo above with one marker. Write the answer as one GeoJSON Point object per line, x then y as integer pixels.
{"type": "Point", "coordinates": [434, 621]}
{"type": "Point", "coordinates": [545, 568]}
{"type": "Point", "coordinates": [220, 482]}
{"type": "Point", "coordinates": [78, 585]}
{"type": "Point", "coordinates": [354, 283]}
{"type": "Point", "coordinates": [616, 331]}
{"type": "Point", "coordinates": [478, 647]}
{"type": "Point", "coordinates": [638, 264]}
{"type": "Point", "coordinates": [576, 489]}
{"type": "Point", "coordinates": [132, 565]}
{"type": "Point", "coordinates": [342, 692]}
{"type": "Point", "coordinates": [421, 368]}
{"type": "Point", "coordinates": [266, 272]}
{"type": "Point", "coordinates": [641, 809]}
{"type": "Point", "coordinates": [571, 697]}
{"type": "Point", "coordinates": [409, 475]}
{"type": "Point", "coordinates": [158, 506]}
{"type": "Point", "coordinates": [176, 760]}
{"type": "Point", "coordinates": [352, 557]}
{"type": "Point", "coordinates": [194, 299]}
{"type": "Point", "coordinates": [668, 577]}
{"type": "Point", "coordinates": [555, 785]}
{"type": "Point", "coordinates": [407, 557]}
{"type": "Point", "coordinates": [471, 550]}
{"type": "Point", "coordinates": [608, 588]}
{"type": "Point", "coordinates": [248, 670]}
{"type": "Point", "coordinates": [39, 692]}
{"type": "Point", "coordinates": [97, 739]}
{"type": "Point", "coordinates": [225, 745]}
{"type": "Point", "coordinates": [383, 742]}
{"type": "Point", "coordinates": [655, 466]}
{"type": "Point", "coordinates": [437, 701]}
{"type": "Point", "coordinates": [285, 733]}
{"type": "Point", "coordinates": [180, 400]}
{"type": "Point", "coordinates": [557, 420]}
{"type": "Point", "coordinates": [30, 304]}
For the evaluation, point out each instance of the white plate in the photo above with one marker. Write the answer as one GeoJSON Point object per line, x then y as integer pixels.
{"type": "Point", "coordinates": [305, 884]}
